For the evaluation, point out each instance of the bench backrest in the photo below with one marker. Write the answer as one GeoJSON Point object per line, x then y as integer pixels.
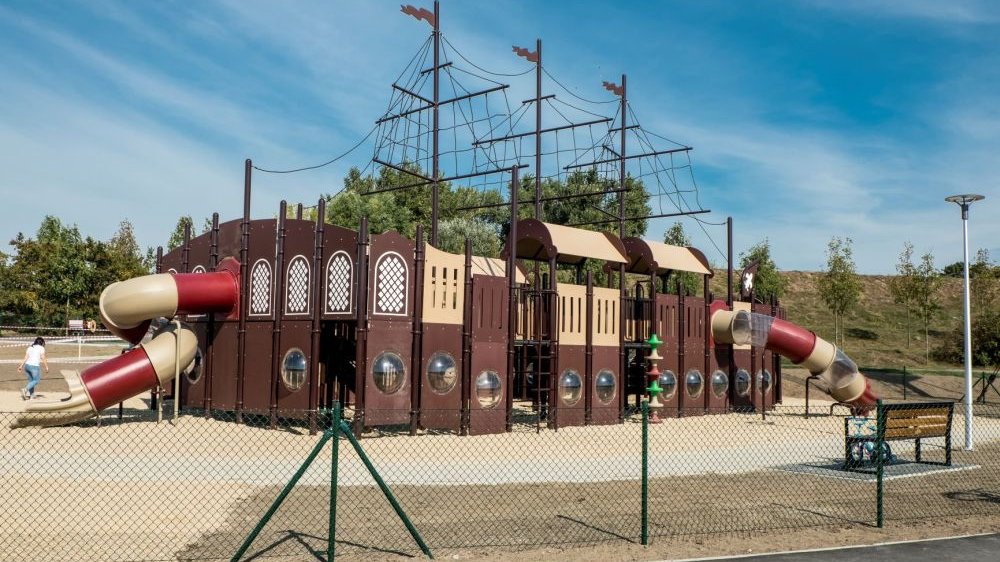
{"type": "Point", "coordinates": [911, 421]}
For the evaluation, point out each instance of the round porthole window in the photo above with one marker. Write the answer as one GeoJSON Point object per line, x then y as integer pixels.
{"type": "Point", "coordinates": [764, 380]}
{"type": "Point", "coordinates": [388, 372]}
{"type": "Point", "coordinates": [720, 384]}
{"type": "Point", "coordinates": [742, 384]}
{"type": "Point", "coordinates": [668, 382]}
{"type": "Point", "coordinates": [605, 386]}
{"type": "Point", "coordinates": [293, 369]}
{"type": "Point", "coordinates": [488, 389]}
{"type": "Point", "coordinates": [193, 371]}
{"type": "Point", "coordinates": [441, 372]}
{"type": "Point", "coordinates": [693, 383]}
{"type": "Point", "coordinates": [570, 387]}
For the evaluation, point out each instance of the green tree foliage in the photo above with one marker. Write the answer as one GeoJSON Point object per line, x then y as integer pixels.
{"type": "Point", "coordinates": [903, 287]}
{"type": "Point", "coordinates": [402, 209]}
{"type": "Point", "coordinates": [453, 232]}
{"type": "Point", "coordinates": [984, 281]}
{"type": "Point", "coordinates": [927, 280]}
{"type": "Point", "coordinates": [839, 286]}
{"type": "Point", "coordinates": [177, 236]}
{"type": "Point", "coordinates": [768, 282]}
{"type": "Point", "coordinates": [59, 274]}
{"type": "Point", "coordinates": [985, 341]}
{"type": "Point", "coordinates": [676, 236]}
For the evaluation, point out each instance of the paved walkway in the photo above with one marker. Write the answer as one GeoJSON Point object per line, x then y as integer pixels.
{"type": "Point", "coordinates": [978, 548]}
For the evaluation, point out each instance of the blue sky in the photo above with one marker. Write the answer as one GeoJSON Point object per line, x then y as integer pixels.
{"type": "Point", "coordinates": [809, 119]}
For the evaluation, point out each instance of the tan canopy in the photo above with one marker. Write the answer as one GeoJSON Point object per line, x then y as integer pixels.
{"type": "Point", "coordinates": [645, 256]}
{"type": "Point", "coordinates": [494, 267]}
{"type": "Point", "coordinates": [537, 240]}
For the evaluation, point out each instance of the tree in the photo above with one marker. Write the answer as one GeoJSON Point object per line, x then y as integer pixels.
{"type": "Point", "coordinates": [926, 280]}
{"type": "Point", "coordinates": [839, 286]}
{"type": "Point", "coordinates": [903, 286]}
{"type": "Point", "coordinates": [985, 341]}
{"type": "Point", "coordinates": [177, 236]}
{"type": "Point", "coordinates": [453, 232]}
{"type": "Point", "coordinates": [676, 236]}
{"type": "Point", "coordinates": [59, 274]}
{"type": "Point", "coordinates": [768, 282]}
{"type": "Point", "coordinates": [984, 281]}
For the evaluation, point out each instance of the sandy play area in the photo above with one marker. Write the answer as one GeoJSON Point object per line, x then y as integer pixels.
{"type": "Point", "coordinates": [135, 489]}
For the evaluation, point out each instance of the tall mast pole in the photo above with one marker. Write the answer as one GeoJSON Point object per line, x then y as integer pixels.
{"type": "Point", "coordinates": [435, 175]}
{"type": "Point", "coordinates": [621, 163]}
{"type": "Point", "coordinates": [538, 131]}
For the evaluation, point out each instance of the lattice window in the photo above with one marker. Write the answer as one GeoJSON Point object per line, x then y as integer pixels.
{"type": "Point", "coordinates": [198, 269]}
{"type": "Point", "coordinates": [260, 288]}
{"type": "Point", "coordinates": [391, 281]}
{"type": "Point", "coordinates": [339, 280]}
{"type": "Point", "coordinates": [297, 291]}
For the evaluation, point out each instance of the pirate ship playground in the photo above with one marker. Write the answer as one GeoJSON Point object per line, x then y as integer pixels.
{"type": "Point", "coordinates": [569, 325]}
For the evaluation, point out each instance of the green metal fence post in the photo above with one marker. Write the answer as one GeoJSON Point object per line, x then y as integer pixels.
{"type": "Point", "coordinates": [385, 489]}
{"type": "Point", "coordinates": [904, 382]}
{"type": "Point", "coordinates": [331, 539]}
{"type": "Point", "coordinates": [281, 497]}
{"type": "Point", "coordinates": [879, 464]}
{"type": "Point", "coordinates": [645, 473]}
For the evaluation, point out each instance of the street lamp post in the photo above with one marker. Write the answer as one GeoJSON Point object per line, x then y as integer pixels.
{"type": "Point", "coordinates": [964, 201]}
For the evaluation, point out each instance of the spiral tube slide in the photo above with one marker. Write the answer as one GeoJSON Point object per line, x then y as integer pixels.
{"type": "Point", "coordinates": [802, 347]}
{"type": "Point", "coordinates": [127, 309]}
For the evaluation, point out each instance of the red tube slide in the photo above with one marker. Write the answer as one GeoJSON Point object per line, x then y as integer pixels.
{"type": "Point", "coordinates": [802, 347]}
{"type": "Point", "coordinates": [127, 309]}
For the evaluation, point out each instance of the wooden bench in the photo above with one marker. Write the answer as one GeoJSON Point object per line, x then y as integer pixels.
{"type": "Point", "coordinates": [903, 422]}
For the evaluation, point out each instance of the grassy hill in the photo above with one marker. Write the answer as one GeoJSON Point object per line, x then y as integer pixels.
{"type": "Point", "coordinates": [876, 329]}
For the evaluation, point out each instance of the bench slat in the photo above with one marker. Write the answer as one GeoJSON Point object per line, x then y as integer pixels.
{"type": "Point", "coordinates": [914, 432]}
{"type": "Point", "coordinates": [915, 422]}
{"type": "Point", "coordinates": [917, 413]}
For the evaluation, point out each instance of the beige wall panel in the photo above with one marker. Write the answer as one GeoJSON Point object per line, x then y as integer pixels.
{"type": "Point", "coordinates": [444, 287]}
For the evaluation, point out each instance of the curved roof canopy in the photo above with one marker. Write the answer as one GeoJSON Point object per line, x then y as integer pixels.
{"type": "Point", "coordinates": [537, 240]}
{"type": "Point", "coordinates": [645, 256]}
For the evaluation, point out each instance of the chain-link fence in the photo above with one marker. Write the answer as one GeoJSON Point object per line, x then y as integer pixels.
{"type": "Point", "coordinates": [195, 488]}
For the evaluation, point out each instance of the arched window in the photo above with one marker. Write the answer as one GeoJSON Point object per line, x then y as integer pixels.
{"type": "Point", "coordinates": [391, 282]}
{"type": "Point", "coordinates": [297, 288]}
{"type": "Point", "coordinates": [339, 282]}
{"type": "Point", "coordinates": [260, 288]}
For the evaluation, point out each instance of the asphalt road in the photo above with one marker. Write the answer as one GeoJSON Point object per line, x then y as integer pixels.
{"type": "Point", "coordinates": [983, 548]}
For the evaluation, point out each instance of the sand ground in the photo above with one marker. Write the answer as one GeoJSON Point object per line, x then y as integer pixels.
{"type": "Point", "coordinates": [193, 489]}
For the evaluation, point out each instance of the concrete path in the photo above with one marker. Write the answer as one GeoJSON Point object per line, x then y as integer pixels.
{"type": "Point", "coordinates": [979, 548]}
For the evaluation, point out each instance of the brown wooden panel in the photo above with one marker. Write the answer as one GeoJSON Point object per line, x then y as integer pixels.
{"type": "Point", "coordinates": [490, 296]}
{"type": "Point", "coordinates": [230, 233]}
{"type": "Point", "coordinates": [224, 354]}
{"type": "Point", "coordinates": [741, 360]}
{"type": "Point", "coordinates": [571, 357]}
{"type": "Point", "coordinates": [299, 280]}
{"type": "Point", "coordinates": [488, 356]}
{"type": "Point", "coordinates": [193, 393]}
{"type": "Point", "coordinates": [718, 361]}
{"type": "Point", "coordinates": [260, 260]}
{"type": "Point", "coordinates": [605, 358]}
{"type": "Point", "coordinates": [257, 382]}
{"type": "Point", "coordinates": [382, 408]}
{"type": "Point", "coordinates": [340, 276]}
{"type": "Point", "coordinates": [437, 410]}
{"type": "Point", "coordinates": [295, 334]}
{"type": "Point", "coordinates": [694, 357]}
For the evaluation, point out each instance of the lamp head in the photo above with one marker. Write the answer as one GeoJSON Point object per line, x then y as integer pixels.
{"type": "Point", "coordinates": [964, 200]}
